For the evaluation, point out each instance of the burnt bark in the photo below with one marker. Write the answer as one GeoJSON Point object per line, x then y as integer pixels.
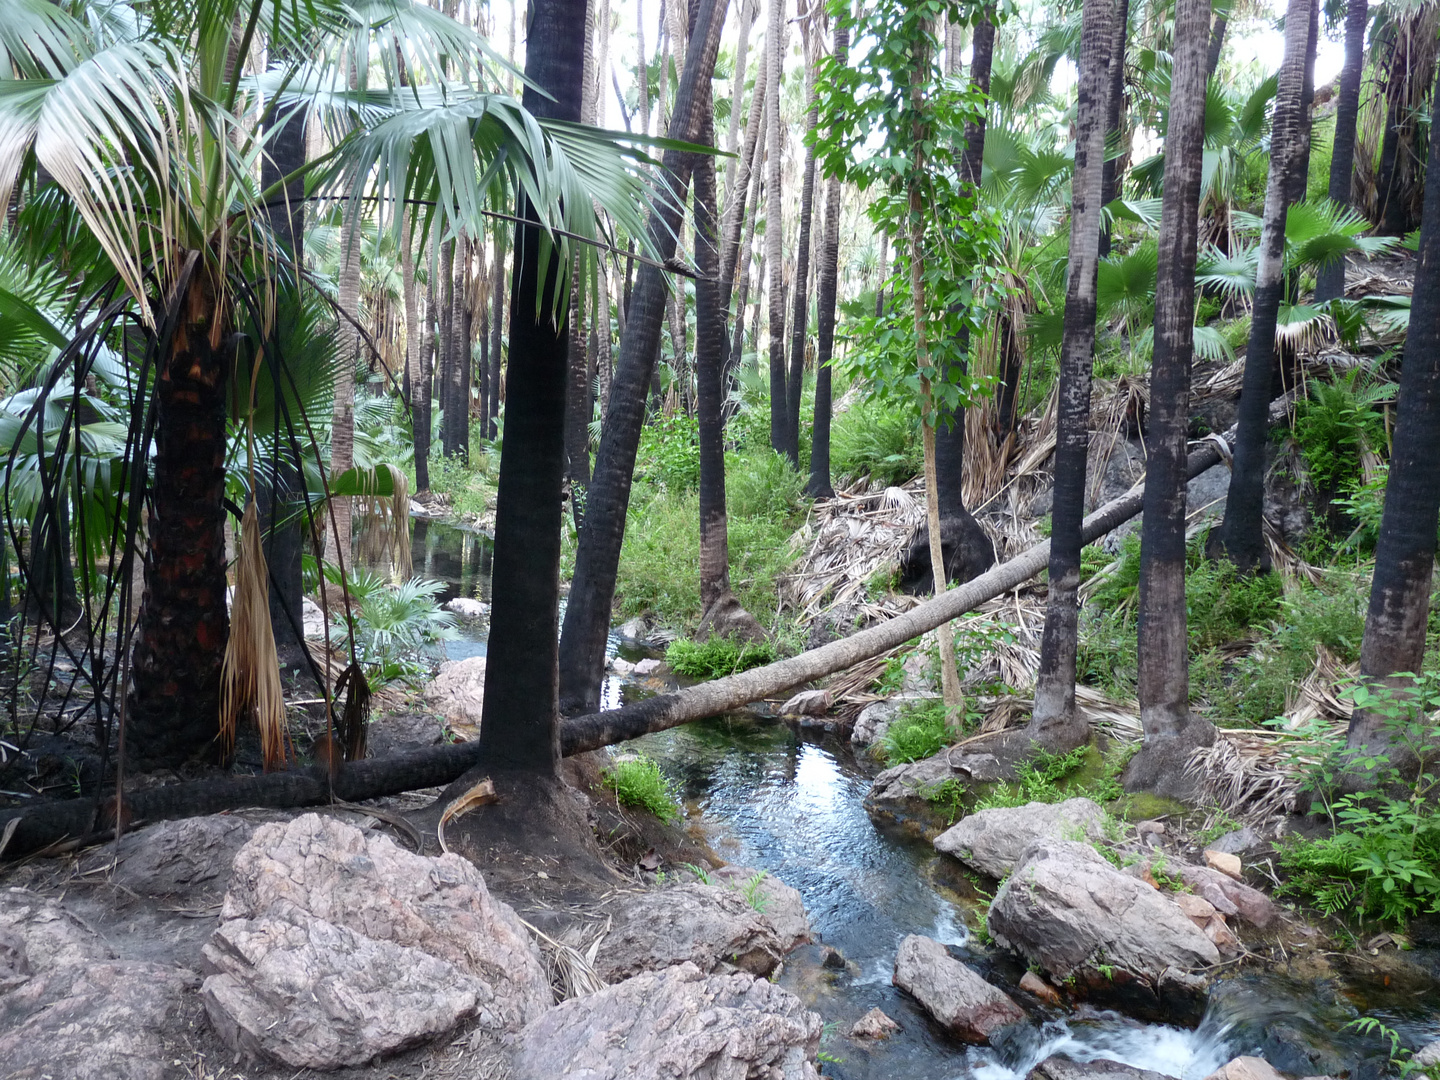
{"type": "Point", "coordinates": [1114, 116]}
{"type": "Point", "coordinates": [800, 295]}
{"type": "Point", "coordinates": [1330, 282]}
{"type": "Point", "coordinates": [597, 557]}
{"type": "Point", "coordinates": [1240, 537]}
{"type": "Point", "coordinates": [774, 255]}
{"type": "Point", "coordinates": [1054, 722]}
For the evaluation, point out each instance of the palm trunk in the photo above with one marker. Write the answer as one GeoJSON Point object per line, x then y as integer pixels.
{"type": "Point", "coordinates": [800, 300]}
{"type": "Point", "coordinates": [748, 15]}
{"type": "Point", "coordinates": [342, 435]}
{"type": "Point", "coordinates": [1217, 43]}
{"type": "Point", "coordinates": [1395, 626]}
{"type": "Point", "coordinates": [1054, 722]}
{"type": "Point", "coordinates": [1240, 537]}
{"type": "Point", "coordinates": [774, 250]}
{"type": "Point", "coordinates": [1300, 174]}
{"type": "Point", "coordinates": [173, 713]}
{"type": "Point", "coordinates": [971, 550]}
{"type": "Point", "coordinates": [1330, 282]}
{"type": "Point", "coordinates": [578, 408]}
{"type": "Point", "coordinates": [597, 557]}
{"type": "Point", "coordinates": [497, 323]}
{"type": "Point", "coordinates": [735, 218]}
{"type": "Point", "coordinates": [1164, 687]}
{"type": "Point", "coordinates": [1114, 114]}
{"type": "Point", "coordinates": [444, 373]}
{"type": "Point", "coordinates": [519, 725]}
{"type": "Point", "coordinates": [420, 394]}
{"type": "Point", "coordinates": [819, 486]}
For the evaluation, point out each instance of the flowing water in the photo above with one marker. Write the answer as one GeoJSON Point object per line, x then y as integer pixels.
{"type": "Point", "coordinates": [793, 805]}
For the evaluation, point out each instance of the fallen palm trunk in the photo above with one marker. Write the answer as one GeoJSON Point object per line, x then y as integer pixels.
{"type": "Point", "coordinates": [47, 824]}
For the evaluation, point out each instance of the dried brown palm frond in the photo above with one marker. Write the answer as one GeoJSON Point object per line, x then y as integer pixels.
{"type": "Point", "coordinates": [250, 676]}
{"type": "Point", "coordinates": [1242, 774]}
{"type": "Point", "coordinates": [1223, 383]}
{"type": "Point", "coordinates": [385, 530]}
{"type": "Point", "coordinates": [1285, 561]}
{"type": "Point", "coordinates": [570, 961]}
{"type": "Point", "coordinates": [353, 723]}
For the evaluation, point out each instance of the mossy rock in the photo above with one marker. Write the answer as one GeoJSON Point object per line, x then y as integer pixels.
{"type": "Point", "coordinates": [1144, 806]}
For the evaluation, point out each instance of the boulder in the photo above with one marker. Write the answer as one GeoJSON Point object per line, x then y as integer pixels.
{"type": "Point", "coordinates": [705, 925]}
{"type": "Point", "coordinates": [1226, 863]}
{"type": "Point", "coordinates": [648, 666]}
{"type": "Point", "coordinates": [112, 1020]}
{"type": "Point", "coordinates": [875, 719]}
{"type": "Point", "coordinates": [314, 995]}
{"type": "Point", "coordinates": [1059, 1068]}
{"type": "Point", "coordinates": [172, 858]}
{"type": "Point", "coordinates": [900, 786]}
{"type": "Point", "coordinates": [312, 619]}
{"type": "Point", "coordinates": [807, 703]}
{"type": "Point", "coordinates": [324, 924]}
{"type": "Point", "coordinates": [874, 1025]}
{"type": "Point", "coordinates": [635, 629]}
{"type": "Point", "coordinates": [1068, 910]}
{"type": "Point", "coordinates": [778, 902]}
{"type": "Point", "coordinates": [1238, 841]}
{"type": "Point", "coordinates": [991, 841]}
{"type": "Point", "coordinates": [1245, 1068]}
{"type": "Point", "coordinates": [458, 691]}
{"type": "Point", "coordinates": [1428, 1056]}
{"type": "Point", "coordinates": [467, 608]}
{"type": "Point", "coordinates": [676, 1024]}
{"type": "Point", "coordinates": [960, 1000]}
{"type": "Point", "coordinates": [1229, 896]}
{"type": "Point", "coordinates": [45, 933]}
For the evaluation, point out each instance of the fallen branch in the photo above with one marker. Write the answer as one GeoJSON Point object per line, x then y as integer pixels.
{"type": "Point", "coordinates": [47, 824]}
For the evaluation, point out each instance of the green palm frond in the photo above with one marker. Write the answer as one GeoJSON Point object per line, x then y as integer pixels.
{"type": "Point", "coordinates": [1210, 344]}
{"type": "Point", "coordinates": [1232, 275]}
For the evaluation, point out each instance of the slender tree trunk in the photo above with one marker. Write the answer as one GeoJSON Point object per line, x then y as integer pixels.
{"type": "Point", "coordinates": [276, 502]}
{"type": "Point", "coordinates": [444, 368]}
{"type": "Point", "coordinates": [1217, 44]}
{"type": "Point", "coordinates": [1114, 115]}
{"type": "Point", "coordinates": [1300, 174]}
{"type": "Point", "coordinates": [746, 269]}
{"type": "Point", "coordinates": [1164, 675]}
{"type": "Point", "coordinates": [760, 286]}
{"type": "Point", "coordinates": [1054, 722]}
{"type": "Point", "coordinates": [735, 216]}
{"type": "Point", "coordinates": [173, 713]}
{"type": "Point", "coordinates": [1330, 282]}
{"type": "Point", "coordinates": [748, 15]}
{"type": "Point", "coordinates": [421, 399]}
{"type": "Point", "coordinates": [519, 725]}
{"type": "Point", "coordinates": [597, 557]}
{"type": "Point", "coordinates": [342, 435]}
{"type": "Point", "coordinates": [578, 407]}
{"type": "Point", "coordinates": [1240, 536]}
{"type": "Point", "coordinates": [819, 485]}
{"type": "Point", "coordinates": [884, 273]}
{"type": "Point", "coordinates": [971, 550]}
{"type": "Point", "coordinates": [800, 301]}
{"type": "Point", "coordinates": [1395, 626]}
{"type": "Point", "coordinates": [774, 250]}
{"type": "Point", "coordinates": [497, 323]}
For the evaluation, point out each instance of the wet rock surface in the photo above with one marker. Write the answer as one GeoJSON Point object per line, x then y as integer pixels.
{"type": "Point", "coordinates": [992, 841]}
{"type": "Point", "coordinates": [960, 1000]}
{"type": "Point", "coordinates": [675, 1024]}
{"type": "Point", "coordinates": [1059, 1068]}
{"type": "Point", "coordinates": [778, 902]}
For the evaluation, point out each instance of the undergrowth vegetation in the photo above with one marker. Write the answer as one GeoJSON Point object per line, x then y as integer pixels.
{"type": "Point", "coordinates": [717, 657]}
{"type": "Point", "coordinates": [638, 782]}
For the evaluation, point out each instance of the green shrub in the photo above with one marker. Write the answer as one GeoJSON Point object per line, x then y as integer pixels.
{"type": "Point", "coordinates": [761, 484]}
{"type": "Point", "coordinates": [717, 657]}
{"type": "Point", "coordinates": [920, 731]}
{"type": "Point", "coordinates": [1223, 605]}
{"type": "Point", "coordinates": [638, 782]}
{"type": "Point", "coordinates": [1038, 780]}
{"type": "Point", "coordinates": [878, 441]}
{"type": "Point", "coordinates": [1335, 422]}
{"type": "Point", "coordinates": [395, 625]}
{"type": "Point", "coordinates": [669, 452]}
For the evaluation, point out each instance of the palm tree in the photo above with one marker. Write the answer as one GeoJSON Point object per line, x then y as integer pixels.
{"type": "Point", "coordinates": [1054, 722]}
{"type": "Point", "coordinates": [774, 249]}
{"type": "Point", "coordinates": [1239, 536]}
{"type": "Point", "coordinates": [1330, 283]}
{"type": "Point", "coordinates": [819, 484]}
{"type": "Point", "coordinates": [597, 556]}
{"type": "Point", "coordinates": [800, 299]}
{"type": "Point", "coordinates": [1164, 659]}
{"type": "Point", "coordinates": [1115, 114]}
{"type": "Point", "coordinates": [167, 194]}
{"type": "Point", "coordinates": [1395, 625]}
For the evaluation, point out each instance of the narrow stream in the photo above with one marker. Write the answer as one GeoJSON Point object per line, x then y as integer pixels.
{"type": "Point", "coordinates": [767, 799]}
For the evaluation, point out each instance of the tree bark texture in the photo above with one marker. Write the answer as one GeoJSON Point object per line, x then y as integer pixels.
{"type": "Point", "coordinates": [173, 713]}
{"type": "Point", "coordinates": [342, 432]}
{"type": "Point", "coordinates": [1300, 173]}
{"type": "Point", "coordinates": [800, 296]}
{"type": "Point", "coordinates": [1240, 535]}
{"type": "Point", "coordinates": [1164, 662]}
{"type": "Point", "coordinates": [421, 393]}
{"type": "Point", "coordinates": [774, 249]}
{"type": "Point", "coordinates": [520, 719]}
{"type": "Point", "coordinates": [497, 323]}
{"type": "Point", "coordinates": [1054, 722]}
{"type": "Point", "coordinates": [1395, 625]}
{"type": "Point", "coordinates": [1114, 114]}
{"type": "Point", "coordinates": [597, 557]}
{"type": "Point", "coordinates": [1330, 282]}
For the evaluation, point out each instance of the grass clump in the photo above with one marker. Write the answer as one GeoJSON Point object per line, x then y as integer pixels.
{"type": "Point", "coordinates": [878, 441]}
{"type": "Point", "coordinates": [717, 656]}
{"type": "Point", "coordinates": [638, 782]}
{"type": "Point", "coordinates": [921, 730]}
{"type": "Point", "coordinates": [1041, 779]}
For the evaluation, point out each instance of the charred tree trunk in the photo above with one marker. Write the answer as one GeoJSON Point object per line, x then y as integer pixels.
{"type": "Point", "coordinates": [1054, 722]}
{"type": "Point", "coordinates": [497, 324]}
{"type": "Point", "coordinates": [1164, 687]}
{"type": "Point", "coordinates": [800, 296]}
{"type": "Point", "coordinates": [520, 722]}
{"type": "Point", "coordinates": [1330, 282]}
{"type": "Point", "coordinates": [173, 712]}
{"type": "Point", "coordinates": [1114, 115]}
{"type": "Point", "coordinates": [1395, 626]}
{"type": "Point", "coordinates": [1217, 44]}
{"type": "Point", "coordinates": [774, 249]}
{"type": "Point", "coordinates": [1240, 535]}
{"type": "Point", "coordinates": [421, 407]}
{"type": "Point", "coordinates": [597, 558]}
